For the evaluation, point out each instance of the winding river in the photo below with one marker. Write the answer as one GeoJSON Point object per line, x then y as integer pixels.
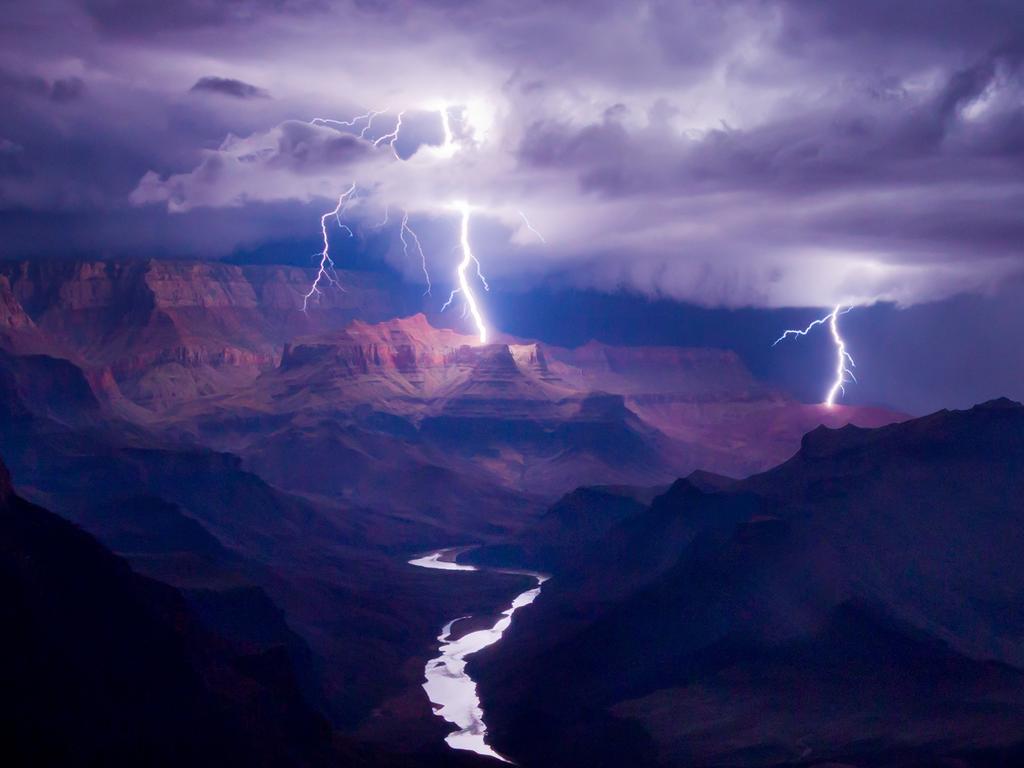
{"type": "Point", "coordinates": [450, 689]}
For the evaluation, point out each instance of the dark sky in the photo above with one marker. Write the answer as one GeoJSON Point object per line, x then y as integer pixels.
{"type": "Point", "coordinates": [947, 354]}
{"type": "Point", "coordinates": [694, 167]}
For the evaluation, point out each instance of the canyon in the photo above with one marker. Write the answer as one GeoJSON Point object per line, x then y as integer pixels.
{"type": "Point", "coordinates": [221, 355]}
{"type": "Point", "coordinates": [277, 468]}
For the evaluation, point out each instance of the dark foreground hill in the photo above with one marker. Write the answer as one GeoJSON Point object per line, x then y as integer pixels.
{"type": "Point", "coordinates": [861, 604]}
{"type": "Point", "coordinates": [101, 666]}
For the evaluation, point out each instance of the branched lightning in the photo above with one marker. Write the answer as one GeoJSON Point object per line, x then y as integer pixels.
{"type": "Point", "coordinates": [368, 117]}
{"type": "Point", "coordinates": [369, 121]}
{"type": "Point", "coordinates": [844, 362]}
{"type": "Point", "coordinates": [406, 229]}
{"type": "Point", "coordinates": [529, 226]}
{"type": "Point", "coordinates": [392, 137]}
{"type": "Point", "coordinates": [464, 287]}
{"type": "Point", "coordinates": [326, 271]}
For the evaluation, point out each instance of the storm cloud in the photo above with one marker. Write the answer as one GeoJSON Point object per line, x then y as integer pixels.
{"type": "Point", "coordinates": [746, 152]}
{"type": "Point", "coordinates": [227, 86]}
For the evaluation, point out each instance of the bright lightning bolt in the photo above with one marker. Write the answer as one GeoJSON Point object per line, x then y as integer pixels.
{"type": "Point", "coordinates": [529, 226]}
{"type": "Point", "coordinates": [844, 361]}
{"type": "Point", "coordinates": [326, 271]}
{"type": "Point", "coordinates": [368, 117]}
{"type": "Point", "coordinates": [364, 124]}
{"type": "Point", "coordinates": [447, 148]}
{"type": "Point", "coordinates": [403, 230]}
{"type": "Point", "coordinates": [369, 121]}
{"type": "Point", "coordinates": [464, 287]}
{"type": "Point", "coordinates": [391, 138]}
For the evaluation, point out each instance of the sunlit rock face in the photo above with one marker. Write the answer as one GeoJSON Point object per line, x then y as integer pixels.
{"type": "Point", "coordinates": [166, 332]}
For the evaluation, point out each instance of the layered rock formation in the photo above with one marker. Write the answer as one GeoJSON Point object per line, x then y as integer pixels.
{"type": "Point", "coordinates": [521, 414]}
{"type": "Point", "coordinates": [223, 353]}
{"type": "Point", "coordinates": [166, 331]}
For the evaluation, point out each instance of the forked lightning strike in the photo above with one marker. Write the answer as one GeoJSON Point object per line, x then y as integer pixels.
{"type": "Point", "coordinates": [368, 117]}
{"type": "Point", "coordinates": [529, 226]}
{"type": "Point", "coordinates": [369, 122]}
{"type": "Point", "coordinates": [843, 359]}
{"type": "Point", "coordinates": [464, 287]}
{"type": "Point", "coordinates": [326, 271]}
{"type": "Point", "coordinates": [391, 138]}
{"type": "Point", "coordinates": [405, 228]}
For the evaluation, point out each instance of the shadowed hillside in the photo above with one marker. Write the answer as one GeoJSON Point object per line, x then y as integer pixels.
{"type": "Point", "coordinates": [104, 667]}
{"type": "Point", "coordinates": [861, 603]}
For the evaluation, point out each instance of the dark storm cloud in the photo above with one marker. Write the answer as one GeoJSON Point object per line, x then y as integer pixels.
{"type": "Point", "coordinates": [235, 173]}
{"type": "Point", "coordinates": [66, 89]}
{"type": "Point", "coordinates": [59, 90]}
{"type": "Point", "coordinates": [140, 18]}
{"type": "Point", "coordinates": [929, 24]}
{"type": "Point", "coordinates": [227, 86]}
{"type": "Point", "coordinates": [304, 148]}
{"type": "Point", "coordinates": [874, 135]}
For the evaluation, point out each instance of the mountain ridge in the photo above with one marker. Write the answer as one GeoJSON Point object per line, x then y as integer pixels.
{"type": "Point", "coordinates": [753, 590]}
{"type": "Point", "coordinates": [92, 639]}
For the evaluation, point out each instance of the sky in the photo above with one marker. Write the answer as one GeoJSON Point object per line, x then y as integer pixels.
{"type": "Point", "coordinates": [725, 158]}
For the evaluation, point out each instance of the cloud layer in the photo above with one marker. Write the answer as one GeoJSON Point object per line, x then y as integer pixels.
{"type": "Point", "coordinates": [748, 152]}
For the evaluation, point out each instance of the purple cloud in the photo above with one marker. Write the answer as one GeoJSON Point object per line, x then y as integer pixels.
{"type": "Point", "coordinates": [227, 86]}
{"type": "Point", "coordinates": [761, 152]}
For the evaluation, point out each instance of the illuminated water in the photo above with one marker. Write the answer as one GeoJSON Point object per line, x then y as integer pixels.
{"type": "Point", "coordinates": [450, 689]}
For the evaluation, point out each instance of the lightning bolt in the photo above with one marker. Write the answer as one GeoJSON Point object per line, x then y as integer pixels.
{"type": "Point", "coordinates": [369, 121]}
{"type": "Point", "coordinates": [368, 117]}
{"type": "Point", "coordinates": [391, 138]}
{"type": "Point", "coordinates": [403, 230]}
{"type": "Point", "coordinates": [529, 226]}
{"type": "Point", "coordinates": [447, 148]}
{"type": "Point", "coordinates": [844, 362]}
{"type": "Point", "coordinates": [326, 271]}
{"type": "Point", "coordinates": [467, 257]}
{"type": "Point", "coordinates": [446, 126]}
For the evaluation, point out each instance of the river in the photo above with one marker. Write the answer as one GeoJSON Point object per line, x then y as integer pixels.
{"type": "Point", "coordinates": [450, 689]}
